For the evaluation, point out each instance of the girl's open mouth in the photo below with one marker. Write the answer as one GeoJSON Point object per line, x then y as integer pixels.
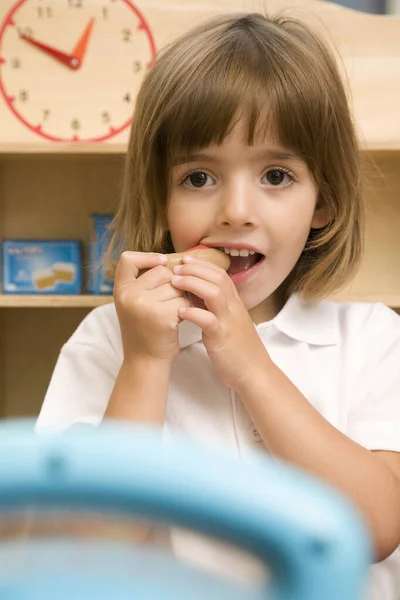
{"type": "Point", "coordinates": [243, 263]}
{"type": "Point", "coordinates": [244, 267]}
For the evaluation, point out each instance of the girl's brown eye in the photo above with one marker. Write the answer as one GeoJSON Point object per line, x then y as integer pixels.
{"type": "Point", "coordinates": [198, 179]}
{"type": "Point", "coordinates": [275, 177]}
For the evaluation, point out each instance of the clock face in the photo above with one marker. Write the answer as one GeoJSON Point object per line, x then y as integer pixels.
{"type": "Point", "coordinates": [70, 69]}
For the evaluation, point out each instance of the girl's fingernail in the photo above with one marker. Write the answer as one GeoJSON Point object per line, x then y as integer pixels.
{"type": "Point", "coordinates": [163, 258]}
{"type": "Point", "coordinates": [176, 279]}
{"type": "Point", "coordinates": [178, 269]}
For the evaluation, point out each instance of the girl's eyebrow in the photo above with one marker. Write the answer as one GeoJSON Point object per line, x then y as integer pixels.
{"type": "Point", "coordinates": [276, 154]}
{"type": "Point", "coordinates": [270, 154]}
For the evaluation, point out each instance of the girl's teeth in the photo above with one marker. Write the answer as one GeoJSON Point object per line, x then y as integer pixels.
{"type": "Point", "coordinates": [237, 252]}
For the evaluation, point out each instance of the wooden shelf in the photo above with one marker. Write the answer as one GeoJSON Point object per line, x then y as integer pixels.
{"type": "Point", "coordinates": [61, 148]}
{"type": "Point", "coordinates": [89, 301]}
{"type": "Point", "coordinates": [391, 301]}
{"type": "Point", "coordinates": [35, 149]}
{"type": "Point", "coordinates": [46, 301]}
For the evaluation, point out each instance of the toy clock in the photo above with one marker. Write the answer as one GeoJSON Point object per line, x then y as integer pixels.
{"type": "Point", "coordinates": [70, 69]}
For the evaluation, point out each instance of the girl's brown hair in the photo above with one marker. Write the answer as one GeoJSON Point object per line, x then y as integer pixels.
{"type": "Point", "coordinates": [275, 73]}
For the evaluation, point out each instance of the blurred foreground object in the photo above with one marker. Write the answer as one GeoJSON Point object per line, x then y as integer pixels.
{"type": "Point", "coordinates": [312, 541]}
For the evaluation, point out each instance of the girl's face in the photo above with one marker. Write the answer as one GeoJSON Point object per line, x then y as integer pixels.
{"type": "Point", "coordinates": [258, 199]}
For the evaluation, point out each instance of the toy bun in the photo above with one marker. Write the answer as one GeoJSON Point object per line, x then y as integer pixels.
{"type": "Point", "coordinates": [215, 256]}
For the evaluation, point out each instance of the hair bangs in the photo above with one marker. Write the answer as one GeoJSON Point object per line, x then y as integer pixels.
{"type": "Point", "coordinates": [249, 81]}
{"type": "Point", "coordinates": [212, 99]}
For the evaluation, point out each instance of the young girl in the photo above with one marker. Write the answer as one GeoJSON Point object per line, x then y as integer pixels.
{"type": "Point", "coordinates": [242, 140]}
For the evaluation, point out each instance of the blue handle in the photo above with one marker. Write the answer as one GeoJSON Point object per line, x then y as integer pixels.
{"type": "Point", "coordinates": [313, 540]}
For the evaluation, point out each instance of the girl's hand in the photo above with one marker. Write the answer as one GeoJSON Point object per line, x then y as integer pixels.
{"type": "Point", "coordinates": [147, 307]}
{"type": "Point", "coordinates": [229, 335]}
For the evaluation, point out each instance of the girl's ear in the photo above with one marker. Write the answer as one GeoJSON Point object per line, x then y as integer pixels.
{"type": "Point", "coordinates": [320, 218]}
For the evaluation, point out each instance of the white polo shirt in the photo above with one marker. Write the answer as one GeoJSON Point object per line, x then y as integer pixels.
{"type": "Point", "coordinates": [344, 358]}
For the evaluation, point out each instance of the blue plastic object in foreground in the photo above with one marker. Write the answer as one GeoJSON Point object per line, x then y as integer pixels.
{"type": "Point", "coordinates": [313, 541]}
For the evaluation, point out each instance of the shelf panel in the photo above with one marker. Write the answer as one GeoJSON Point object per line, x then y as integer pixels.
{"type": "Point", "coordinates": [46, 301]}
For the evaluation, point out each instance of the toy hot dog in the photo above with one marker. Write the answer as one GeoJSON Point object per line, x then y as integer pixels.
{"type": "Point", "coordinates": [215, 256]}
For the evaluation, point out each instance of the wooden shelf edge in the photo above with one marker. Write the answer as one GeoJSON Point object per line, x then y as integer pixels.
{"type": "Point", "coordinates": [378, 147]}
{"type": "Point", "coordinates": [47, 301]}
{"type": "Point", "coordinates": [61, 148]}
{"type": "Point", "coordinates": [392, 301]}
{"type": "Point", "coordinates": [91, 301]}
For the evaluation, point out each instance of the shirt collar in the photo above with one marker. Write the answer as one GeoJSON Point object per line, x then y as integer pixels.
{"type": "Point", "coordinates": [314, 323]}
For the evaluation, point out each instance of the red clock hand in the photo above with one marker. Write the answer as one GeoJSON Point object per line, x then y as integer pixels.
{"type": "Point", "coordinates": [62, 57]}
{"type": "Point", "coordinates": [79, 51]}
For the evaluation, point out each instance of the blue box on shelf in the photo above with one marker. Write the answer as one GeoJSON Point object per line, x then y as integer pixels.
{"type": "Point", "coordinates": [41, 267]}
{"type": "Point", "coordinates": [99, 280]}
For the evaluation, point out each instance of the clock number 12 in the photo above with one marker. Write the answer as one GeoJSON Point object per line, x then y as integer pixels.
{"type": "Point", "coordinates": [45, 12]}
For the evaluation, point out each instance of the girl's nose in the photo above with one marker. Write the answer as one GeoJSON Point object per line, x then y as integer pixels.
{"type": "Point", "coordinates": [236, 207]}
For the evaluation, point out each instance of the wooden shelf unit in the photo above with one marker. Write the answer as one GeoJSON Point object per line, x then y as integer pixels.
{"type": "Point", "coordinates": [51, 196]}
{"type": "Point", "coordinates": [48, 190]}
